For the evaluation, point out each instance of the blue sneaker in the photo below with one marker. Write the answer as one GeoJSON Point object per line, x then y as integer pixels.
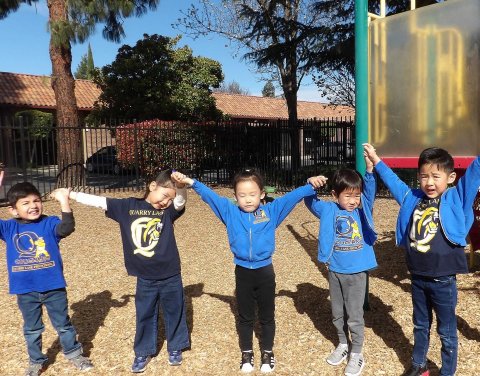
{"type": "Point", "coordinates": [140, 363]}
{"type": "Point", "coordinates": [175, 357]}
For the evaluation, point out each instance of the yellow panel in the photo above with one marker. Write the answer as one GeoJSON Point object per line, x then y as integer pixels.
{"type": "Point", "coordinates": [425, 80]}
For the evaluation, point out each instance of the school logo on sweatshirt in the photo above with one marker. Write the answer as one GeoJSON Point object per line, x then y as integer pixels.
{"type": "Point", "coordinates": [146, 234]}
{"type": "Point", "coordinates": [425, 224]}
{"type": "Point", "coordinates": [260, 216]}
{"type": "Point", "coordinates": [32, 252]}
{"type": "Point", "coordinates": [347, 234]}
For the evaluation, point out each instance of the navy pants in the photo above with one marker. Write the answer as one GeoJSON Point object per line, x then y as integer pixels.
{"type": "Point", "coordinates": [439, 295]}
{"type": "Point", "coordinates": [150, 296]}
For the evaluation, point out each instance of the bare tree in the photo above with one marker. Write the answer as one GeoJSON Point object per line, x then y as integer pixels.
{"type": "Point", "coordinates": [279, 36]}
{"type": "Point", "coordinates": [337, 85]}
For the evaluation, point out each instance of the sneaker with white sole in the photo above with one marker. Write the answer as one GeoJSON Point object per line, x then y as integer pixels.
{"type": "Point", "coordinates": [268, 361]}
{"type": "Point", "coordinates": [246, 364]}
{"type": "Point", "coordinates": [338, 355]}
{"type": "Point", "coordinates": [34, 369]}
{"type": "Point", "coordinates": [81, 363]}
{"type": "Point", "coordinates": [355, 364]}
{"type": "Point", "coordinates": [140, 363]}
{"type": "Point", "coordinates": [175, 357]}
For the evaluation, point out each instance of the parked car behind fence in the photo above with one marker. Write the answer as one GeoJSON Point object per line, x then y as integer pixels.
{"type": "Point", "coordinates": [104, 160]}
{"type": "Point", "coordinates": [333, 151]}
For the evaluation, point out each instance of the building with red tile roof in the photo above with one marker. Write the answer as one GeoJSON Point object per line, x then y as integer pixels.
{"type": "Point", "coordinates": [253, 107]}
{"type": "Point", "coordinates": [26, 91]}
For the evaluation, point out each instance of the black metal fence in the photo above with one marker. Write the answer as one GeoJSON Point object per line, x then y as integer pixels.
{"type": "Point", "coordinates": [122, 157]}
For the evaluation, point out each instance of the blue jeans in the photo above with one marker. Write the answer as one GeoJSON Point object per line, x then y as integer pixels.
{"type": "Point", "coordinates": [150, 295]}
{"type": "Point", "coordinates": [439, 295]}
{"type": "Point", "coordinates": [55, 301]}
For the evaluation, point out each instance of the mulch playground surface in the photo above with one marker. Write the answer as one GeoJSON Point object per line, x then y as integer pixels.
{"type": "Point", "coordinates": [101, 299]}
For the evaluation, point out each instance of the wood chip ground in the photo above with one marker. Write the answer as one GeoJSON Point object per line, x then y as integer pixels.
{"type": "Point", "coordinates": [101, 299]}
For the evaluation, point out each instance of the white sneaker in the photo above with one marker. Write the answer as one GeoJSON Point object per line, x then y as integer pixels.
{"type": "Point", "coordinates": [338, 355]}
{"type": "Point", "coordinates": [355, 365]}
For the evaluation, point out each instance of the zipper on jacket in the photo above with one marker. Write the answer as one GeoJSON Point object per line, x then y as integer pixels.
{"type": "Point", "coordinates": [250, 238]}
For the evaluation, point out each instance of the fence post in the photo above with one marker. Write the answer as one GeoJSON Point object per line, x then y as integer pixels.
{"type": "Point", "coordinates": [22, 144]}
{"type": "Point", "coordinates": [135, 149]}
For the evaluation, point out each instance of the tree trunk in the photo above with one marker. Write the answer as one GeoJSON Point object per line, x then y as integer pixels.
{"type": "Point", "coordinates": [290, 91]}
{"type": "Point", "coordinates": [69, 151]}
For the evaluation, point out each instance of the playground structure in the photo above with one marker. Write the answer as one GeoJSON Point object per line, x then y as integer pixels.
{"type": "Point", "coordinates": [424, 85]}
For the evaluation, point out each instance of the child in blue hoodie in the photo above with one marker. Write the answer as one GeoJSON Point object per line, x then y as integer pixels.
{"type": "Point", "coordinates": [432, 226]}
{"type": "Point", "coordinates": [346, 237]}
{"type": "Point", "coordinates": [251, 233]}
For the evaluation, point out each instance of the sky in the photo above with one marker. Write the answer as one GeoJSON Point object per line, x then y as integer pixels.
{"type": "Point", "coordinates": [24, 41]}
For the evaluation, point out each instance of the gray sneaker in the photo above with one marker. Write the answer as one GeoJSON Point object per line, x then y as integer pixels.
{"type": "Point", "coordinates": [338, 355]}
{"type": "Point", "coordinates": [355, 365]}
{"type": "Point", "coordinates": [34, 369]}
{"type": "Point", "coordinates": [82, 363]}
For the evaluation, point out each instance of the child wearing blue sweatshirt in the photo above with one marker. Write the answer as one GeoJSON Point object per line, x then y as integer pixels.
{"type": "Point", "coordinates": [251, 232]}
{"type": "Point", "coordinates": [432, 226]}
{"type": "Point", "coordinates": [35, 271]}
{"type": "Point", "coordinates": [346, 237]}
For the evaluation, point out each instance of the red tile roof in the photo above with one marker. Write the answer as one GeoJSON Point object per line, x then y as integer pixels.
{"type": "Point", "coordinates": [252, 107]}
{"type": "Point", "coordinates": [28, 90]}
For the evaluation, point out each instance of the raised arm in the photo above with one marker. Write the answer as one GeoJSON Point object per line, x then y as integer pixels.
{"type": "Point", "coordinates": [181, 191]}
{"type": "Point", "coordinates": [90, 200]}
{"type": "Point", "coordinates": [217, 203]}
{"type": "Point", "coordinates": [284, 205]}
{"type": "Point", "coordinates": [67, 224]}
{"type": "Point", "coordinates": [396, 186]}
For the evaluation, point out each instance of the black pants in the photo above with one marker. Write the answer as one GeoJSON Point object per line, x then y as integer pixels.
{"type": "Point", "coordinates": [255, 286]}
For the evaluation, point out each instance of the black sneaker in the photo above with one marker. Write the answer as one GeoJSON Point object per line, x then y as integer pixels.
{"type": "Point", "coordinates": [417, 371]}
{"type": "Point", "coordinates": [268, 361]}
{"type": "Point", "coordinates": [246, 364]}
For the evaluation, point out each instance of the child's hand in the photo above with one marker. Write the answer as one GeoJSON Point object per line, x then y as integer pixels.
{"type": "Point", "coordinates": [181, 180]}
{"type": "Point", "coordinates": [61, 194]}
{"type": "Point", "coordinates": [370, 153]}
{"type": "Point", "coordinates": [317, 181]}
{"type": "Point", "coordinates": [368, 163]}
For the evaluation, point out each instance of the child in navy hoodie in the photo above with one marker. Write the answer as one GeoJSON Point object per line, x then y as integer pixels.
{"type": "Point", "coordinates": [251, 232]}
{"type": "Point", "coordinates": [432, 226]}
{"type": "Point", "coordinates": [346, 237]}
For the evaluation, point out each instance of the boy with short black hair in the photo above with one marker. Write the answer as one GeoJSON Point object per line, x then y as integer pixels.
{"type": "Point", "coordinates": [345, 245]}
{"type": "Point", "coordinates": [432, 226]}
{"type": "Point", "coordinates": [35, 271]}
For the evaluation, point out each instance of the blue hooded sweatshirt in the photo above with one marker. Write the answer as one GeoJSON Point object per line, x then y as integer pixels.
{"type": "Point", "coordinates": [252, 235]}
{"type": "Point", "coordinates": [456, 203]}
{"type": "Point", "coordinates": [351, 262]}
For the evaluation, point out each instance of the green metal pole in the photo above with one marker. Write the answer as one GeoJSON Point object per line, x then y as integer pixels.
{"type": "Point", "coordinates": [361, 81]}
{"type": "Point", "coordinates": [361, 94]}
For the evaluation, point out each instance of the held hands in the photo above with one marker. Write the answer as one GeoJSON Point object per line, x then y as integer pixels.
{"type": "Point", "coordinates": [370, 154]}
{"type": "Point", "coordinates": [61, 195]}
{"type": "Point", "coordinates": [317, 181]}
{"type": "Point", "coordinates": [181, 180]}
